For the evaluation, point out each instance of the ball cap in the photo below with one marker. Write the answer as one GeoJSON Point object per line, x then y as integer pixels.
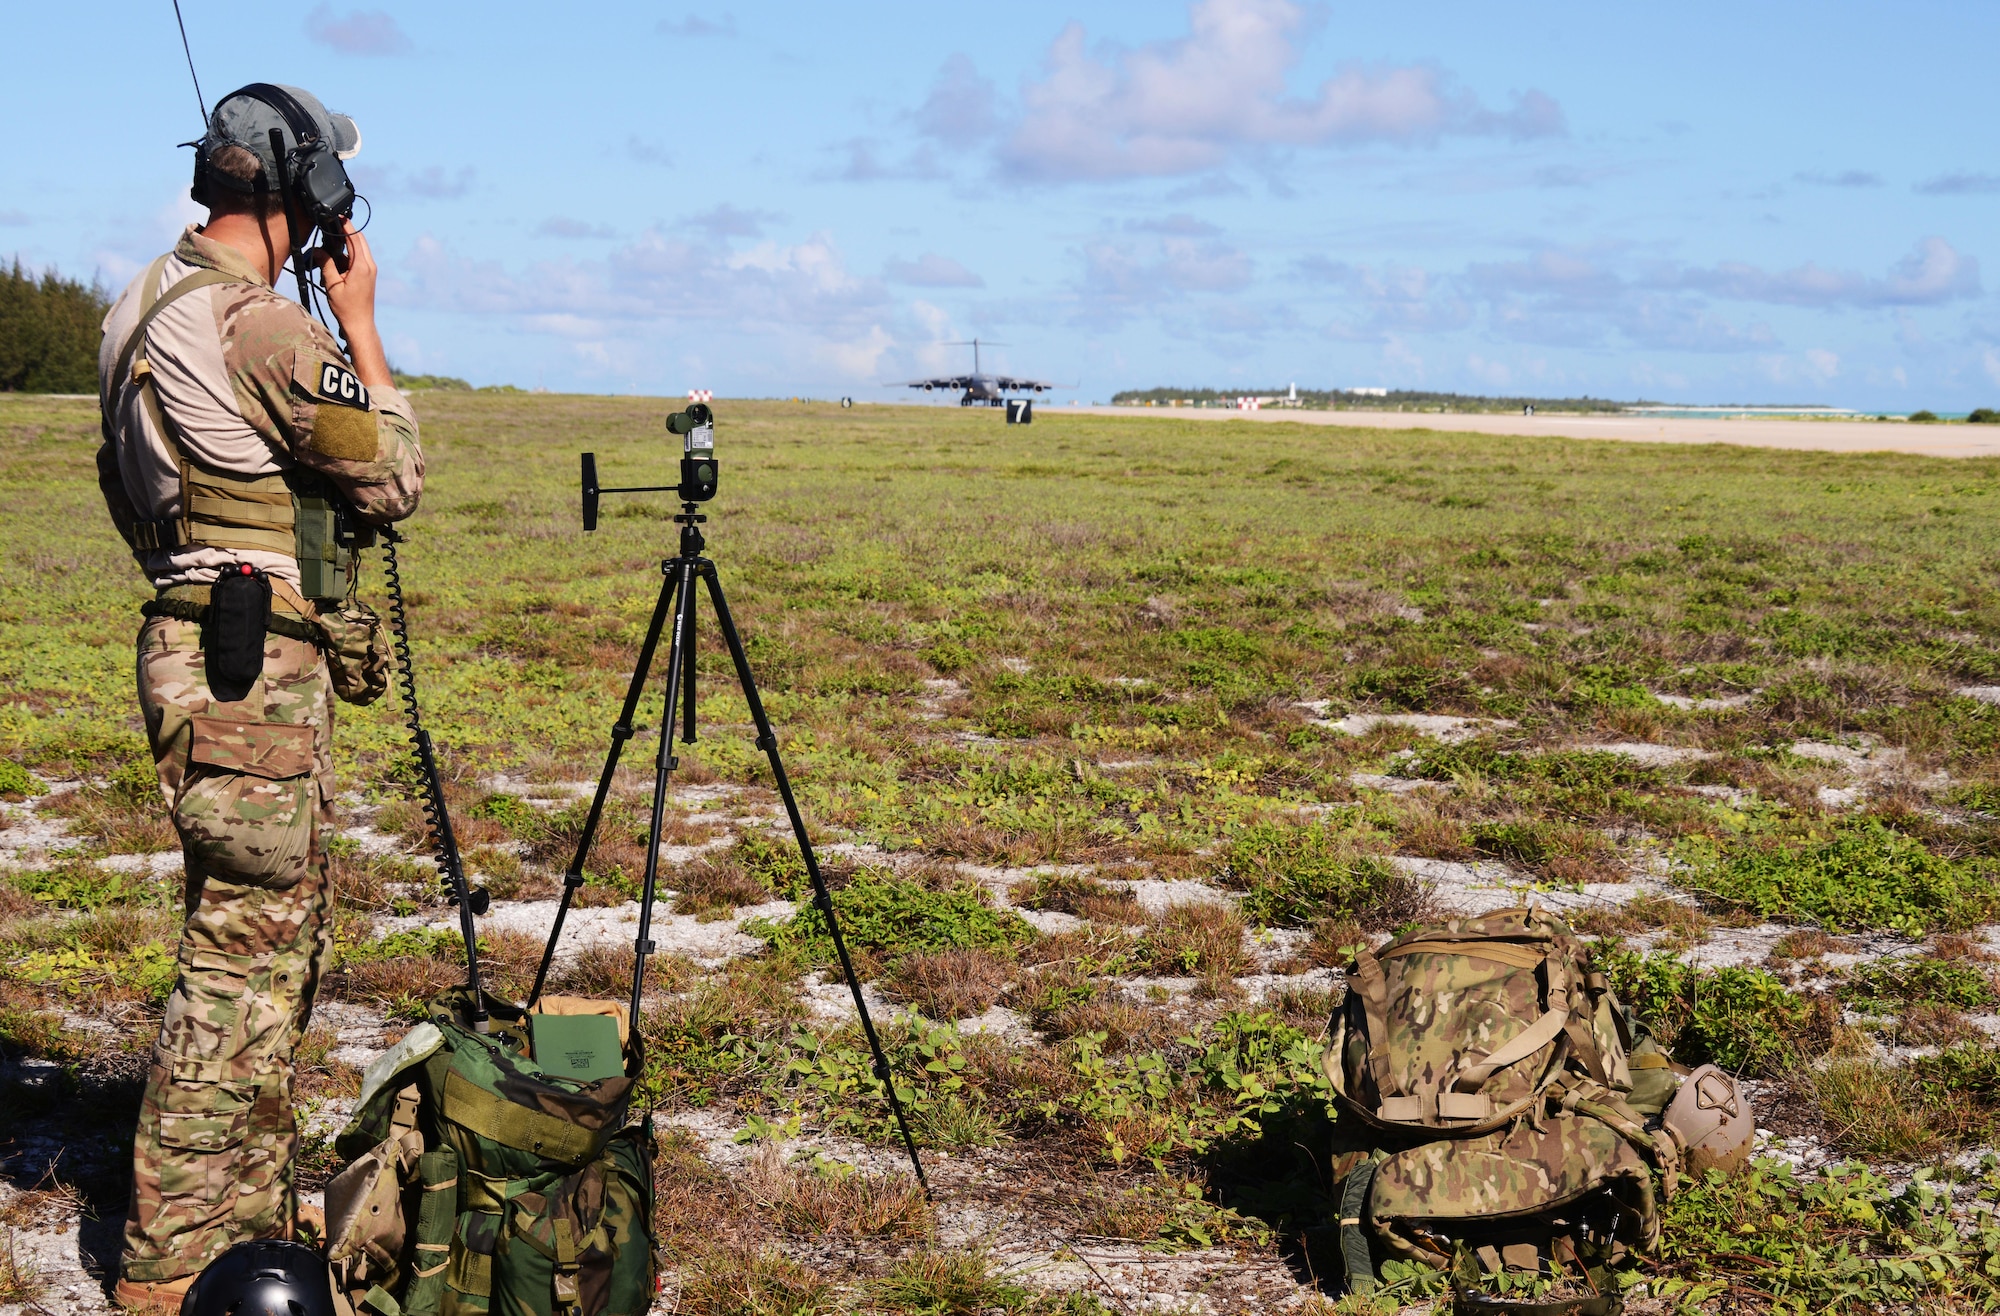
{"type": "Point", "coordinates": [240, 119]}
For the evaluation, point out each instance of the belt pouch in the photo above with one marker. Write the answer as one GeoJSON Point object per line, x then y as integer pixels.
{"type": "Point", "coordinates": [238, 606]}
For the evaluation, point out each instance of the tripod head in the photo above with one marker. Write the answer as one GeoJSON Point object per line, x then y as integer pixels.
{"type": "Point", "coordinates": [699, 471]}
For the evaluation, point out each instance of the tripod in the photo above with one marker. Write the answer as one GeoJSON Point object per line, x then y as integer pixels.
{"type": "Point", "coordinates": [677, 595]}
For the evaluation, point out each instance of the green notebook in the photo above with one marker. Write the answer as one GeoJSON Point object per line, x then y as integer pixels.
{"type": "Point", "coordinates": [577, 1046]}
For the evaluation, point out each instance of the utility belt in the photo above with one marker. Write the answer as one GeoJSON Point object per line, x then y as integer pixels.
{"type": "Point", "coordinates": [191, 603]}
{"type": "Point", "coordinates": [346, 631]}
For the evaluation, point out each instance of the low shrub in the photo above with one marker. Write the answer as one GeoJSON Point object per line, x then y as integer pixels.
{"type": "Point", "coordinates": [1292, 875]}
{"type": "Point", "coordinates": [1863, 875]}
{"type": "Point", "coordinates": [881, 912]}
{"type": "Point", "coordinates": [1744, 1020]}
{"type": "Point", "coordinates": [17, 783]}
{"type": "Point", "coordinates": [1889, 985]}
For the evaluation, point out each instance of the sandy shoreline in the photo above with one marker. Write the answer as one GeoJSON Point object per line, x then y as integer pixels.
{"type": "Point", "coordinates": [1808, 435]}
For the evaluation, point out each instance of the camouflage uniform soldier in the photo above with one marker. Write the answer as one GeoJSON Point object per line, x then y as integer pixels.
{"type": "Point", "coordinates": [232, 420]}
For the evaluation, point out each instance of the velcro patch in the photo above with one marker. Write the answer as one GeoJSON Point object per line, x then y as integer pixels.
{"type": "Point", "coordinates": [345, 435]}
{"type": "Point", "coordinates": [337, 384]}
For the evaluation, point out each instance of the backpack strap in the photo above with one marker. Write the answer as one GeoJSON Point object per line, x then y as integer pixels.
{"type": "Point", "coordinates": [493, 1116]}
{"type": "Point", "coordinates": [232, 511]}
{"type": "Point", "coordinates": [1375, 1005]}
{"type": "Point", "coordinates": [1515, 1049]}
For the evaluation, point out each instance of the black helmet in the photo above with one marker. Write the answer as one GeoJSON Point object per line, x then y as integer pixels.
{"type": "Point", "coordinates": [262, 1277]}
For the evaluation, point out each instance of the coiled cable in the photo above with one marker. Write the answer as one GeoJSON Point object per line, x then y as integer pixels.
{"type": "Point", "coordinates": [429, 787]}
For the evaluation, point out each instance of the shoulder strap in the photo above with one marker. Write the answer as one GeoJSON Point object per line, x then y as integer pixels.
{"type": "Point", "coordinates": [151, 306]}
{"type": "Point", "coordinates": [237, 512]}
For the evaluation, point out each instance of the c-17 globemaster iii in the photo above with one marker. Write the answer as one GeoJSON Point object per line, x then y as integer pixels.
{"type": "Point", "coordinates": [981, 389]}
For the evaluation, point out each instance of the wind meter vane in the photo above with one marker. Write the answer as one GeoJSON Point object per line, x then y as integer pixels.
{"type": "Point", "coordinates": [699, 472]}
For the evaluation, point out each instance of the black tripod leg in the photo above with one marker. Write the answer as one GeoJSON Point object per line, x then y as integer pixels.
{"type": "Point", "coordinates": [767, 740]}
{"type": "Point", "coordinates": [664, 766]}
{"type": "Point", "coordinates": [687, 694]}
{"type": "Point", "coordinates": [620, 733]}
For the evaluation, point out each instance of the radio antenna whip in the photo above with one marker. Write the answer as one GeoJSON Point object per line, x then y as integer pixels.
{"type": "Point", "coordinates": [200, 102]}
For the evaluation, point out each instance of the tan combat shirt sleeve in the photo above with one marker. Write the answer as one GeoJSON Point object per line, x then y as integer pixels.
{"type": "Point", "coordinates": [296, 388]}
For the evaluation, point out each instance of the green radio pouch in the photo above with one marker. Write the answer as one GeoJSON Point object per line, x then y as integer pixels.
{"type": "Point", "coordinates": [437, 1216]}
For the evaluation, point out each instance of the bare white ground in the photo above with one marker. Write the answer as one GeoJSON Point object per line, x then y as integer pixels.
{"type": "Point", "coordinates": [1985, 694]}
{"type": "Point", "coordinates": [1718, 704]}
{"type": "Point", "coordinates": [1650, 756]}
{"type": "Point", "coordinates": [1375, 781]}
{"type": "Point", "coordinates": [1449, 730]}
{"type": "Point", "coordinates": [1484, 886]}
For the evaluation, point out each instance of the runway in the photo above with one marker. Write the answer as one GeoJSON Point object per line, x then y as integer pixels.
{"type": "Point", "coordinates": [1807, 435]}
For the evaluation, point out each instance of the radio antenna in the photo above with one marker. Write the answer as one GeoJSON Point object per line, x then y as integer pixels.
{"type": "Point", "coordinates": [199, 101]}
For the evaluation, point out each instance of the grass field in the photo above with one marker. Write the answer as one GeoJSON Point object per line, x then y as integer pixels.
{"type": "Point", "coordinates": [1116, 733]}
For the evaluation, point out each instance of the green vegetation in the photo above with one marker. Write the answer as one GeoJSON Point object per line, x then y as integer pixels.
{"type": "Point", "coordinates": [49, 329]}
{"type": "Point", "coordinates": [995, 672]}
{"type": "Point", "coordinates": [411, 383]}
{"type": "Point", "coordinates": [1858, 875]}
{"type": "Point", "coordinates": [881, 912]}
{"type": "Point", "coordinates": [1292, 876]}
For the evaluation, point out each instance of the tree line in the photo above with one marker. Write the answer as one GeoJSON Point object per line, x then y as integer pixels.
{"type": "Point", "coordinates": [49, 327]}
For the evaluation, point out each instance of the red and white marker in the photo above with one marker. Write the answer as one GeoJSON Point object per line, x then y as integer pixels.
{"type": "Point", "coordinates": [701, 395]}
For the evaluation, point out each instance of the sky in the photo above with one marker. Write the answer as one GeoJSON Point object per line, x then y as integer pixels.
{"type": "Point", "coordinates": [1698, 203]}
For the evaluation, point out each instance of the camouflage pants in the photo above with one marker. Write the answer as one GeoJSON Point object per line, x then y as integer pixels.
{"type": "Point", "coordinates": [247, 783]}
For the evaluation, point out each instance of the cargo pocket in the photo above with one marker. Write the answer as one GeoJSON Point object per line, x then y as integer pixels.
{"type": "Point", "coordinates": [245, 809]}
{"type": "Point", "coordinates": [201, 1127]}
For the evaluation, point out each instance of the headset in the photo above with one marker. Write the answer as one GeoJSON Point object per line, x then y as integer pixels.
{"type": "Point", "coordinates": [312, 180]}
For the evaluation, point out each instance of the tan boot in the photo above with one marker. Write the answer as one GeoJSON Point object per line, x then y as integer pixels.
{"type": "Point", "coordinates": [161, 1299]}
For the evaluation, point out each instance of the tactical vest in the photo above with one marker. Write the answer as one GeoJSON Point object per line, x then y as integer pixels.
{"type": "Point", "coordinates": [294, 512]}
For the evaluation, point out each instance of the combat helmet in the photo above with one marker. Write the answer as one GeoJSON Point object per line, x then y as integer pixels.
{"type": "Point", "coordinates": [263, 1277]}
{"type": "Point", "coordinates": [1712, 1121]}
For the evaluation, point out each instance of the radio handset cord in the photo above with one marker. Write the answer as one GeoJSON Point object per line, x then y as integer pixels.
{"type": "Point", "coordinates": [430, 787]}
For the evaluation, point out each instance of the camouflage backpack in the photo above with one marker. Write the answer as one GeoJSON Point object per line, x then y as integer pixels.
{"type": "Point", "coordinates": [480, 1183]}
{"type": "Point", "coordinates": [1510, 1108]}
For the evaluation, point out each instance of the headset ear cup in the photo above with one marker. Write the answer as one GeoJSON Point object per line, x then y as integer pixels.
{"type": "Point", "coordinates": [198, 191]}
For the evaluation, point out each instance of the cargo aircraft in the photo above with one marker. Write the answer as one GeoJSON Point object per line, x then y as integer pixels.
{"type": "Point", "coordinates": [981, 389]}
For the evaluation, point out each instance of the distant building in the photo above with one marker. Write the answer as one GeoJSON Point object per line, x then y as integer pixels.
{"type": "Point", "coordinates": [1368, 392]}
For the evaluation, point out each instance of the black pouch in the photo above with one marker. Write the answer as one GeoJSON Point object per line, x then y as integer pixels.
{"type": "Point", "coordinates": [239, 605]}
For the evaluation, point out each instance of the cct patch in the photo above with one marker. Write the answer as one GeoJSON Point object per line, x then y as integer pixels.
{"type": "Point", "coordinates": [338, 384]}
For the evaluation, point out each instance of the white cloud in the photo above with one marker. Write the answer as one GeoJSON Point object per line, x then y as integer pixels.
{"type": "Point", "coordinates": [357, 32]}
{"type": "Point", "coordinates": [1933, 272]}
{"type": "Point", "coordinates": [431, 183]}
{"type": "Point", "coordinates": [696, 26]}
{"type": "Point", "coordinates": [1845, 178]}
{"type": "Point", "coordinates": [962, 108]}
{"type": "Point", "coordinates": [727, 221]}
{"type": "Point", "coordinates": [1822, 363]}
{"type": "Point", "coordinates": [857, 358]}
{"type": "Point", "coordinates": [562, 226]}
{"type": "Point", "coordinates": [1960, 185]}
{"type": "Point", "coordinates": [1187, 105]}
{"type": "Point", "coordinates": [931, 270]}
{"type": "Point", "coordinates": [1991, 361]}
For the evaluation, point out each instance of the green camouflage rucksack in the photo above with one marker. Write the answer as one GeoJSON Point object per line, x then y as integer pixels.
{"type": "Point", "coordinates": [478, 1182]}
{"type": "Point", "coordinates": [1510, 1105]}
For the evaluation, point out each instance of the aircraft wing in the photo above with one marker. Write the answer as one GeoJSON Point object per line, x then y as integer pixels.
{"type": "Point", "coordinates": [942, 381]}
{"type": "Point", "coordinates": [1011, 384]}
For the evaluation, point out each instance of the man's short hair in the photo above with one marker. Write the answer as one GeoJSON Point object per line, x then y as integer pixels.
{"type": "Point", "coordinates": [241, 164]}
